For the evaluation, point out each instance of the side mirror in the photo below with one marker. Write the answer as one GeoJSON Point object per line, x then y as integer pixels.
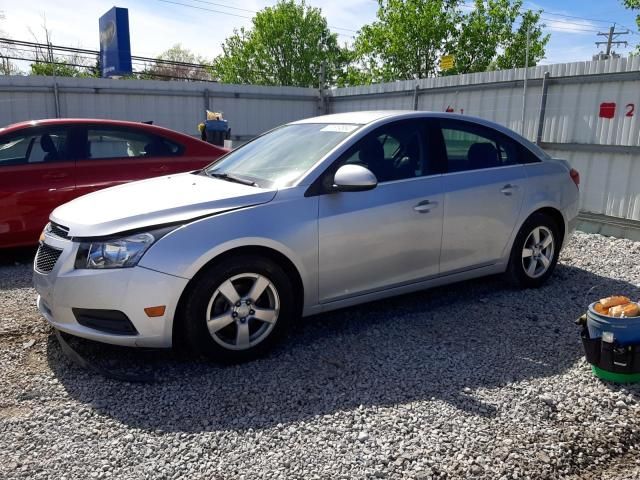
{"type": "Point", "coordinates": [354, 178]}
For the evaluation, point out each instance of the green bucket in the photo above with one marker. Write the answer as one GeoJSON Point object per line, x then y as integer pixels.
{"type": "Point", "coordinates": [615, 377]}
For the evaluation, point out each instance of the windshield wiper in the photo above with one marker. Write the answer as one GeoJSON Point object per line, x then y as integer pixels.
{"type": "Point", "coordinates": [232, 178]}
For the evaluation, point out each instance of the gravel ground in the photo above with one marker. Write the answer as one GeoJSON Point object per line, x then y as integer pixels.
{"type": "Point", "coordinates": [471, 381]}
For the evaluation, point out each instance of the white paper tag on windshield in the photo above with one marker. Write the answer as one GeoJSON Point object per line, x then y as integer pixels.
{"type": "Point", "coordinates": [339, 128]}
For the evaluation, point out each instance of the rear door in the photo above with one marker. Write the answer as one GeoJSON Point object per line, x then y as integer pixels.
{"type": "Point", "coordinates": [114, 155]}
{"type": "Point", "coordinates": [483, 194]}
{"type": "Point", "coordinates": [36, 175]}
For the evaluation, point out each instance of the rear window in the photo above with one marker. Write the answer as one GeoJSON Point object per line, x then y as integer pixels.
{"type": "Point", "coordinates": [103, 143]}
{"type": "Point", "coordinates": [473, 147]}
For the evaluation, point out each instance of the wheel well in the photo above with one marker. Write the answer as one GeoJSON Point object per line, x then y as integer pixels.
{"type": "Point", "coordinates": [557, 218]}
{"type": "Point", "coordinates": [277, 257]}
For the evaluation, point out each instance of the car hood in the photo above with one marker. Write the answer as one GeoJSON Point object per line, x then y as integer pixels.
{"type": "Point", "coordinates": [155, 201]}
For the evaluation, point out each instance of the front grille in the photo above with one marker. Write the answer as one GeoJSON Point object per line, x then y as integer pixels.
{"type": "Point", "coordinates": [59, 230]}
{"type": "Point", "coordinates": [46, 258]}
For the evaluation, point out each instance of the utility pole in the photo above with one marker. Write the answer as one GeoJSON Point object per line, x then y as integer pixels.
{"type": "Point", "coordinates": [526, 74]}
{"type": "Point", "coordinates": [612, 35]}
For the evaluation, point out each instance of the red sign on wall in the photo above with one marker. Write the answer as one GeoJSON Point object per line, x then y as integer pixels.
{"type": "Point", "coordinates": [607, 110]}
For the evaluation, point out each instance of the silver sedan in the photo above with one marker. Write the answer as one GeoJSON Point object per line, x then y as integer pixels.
{"type": "Point", "coordinates": [315, 215]}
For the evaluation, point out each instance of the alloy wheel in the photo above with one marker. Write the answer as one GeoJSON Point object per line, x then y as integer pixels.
{"type": "Point", "coordinates": [538, 252]}
{"type": "Point", "coordinates": [243, 311]}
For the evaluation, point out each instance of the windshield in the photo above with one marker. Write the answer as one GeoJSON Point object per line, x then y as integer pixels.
{"type": "Point", "coordinates": [280, 157]}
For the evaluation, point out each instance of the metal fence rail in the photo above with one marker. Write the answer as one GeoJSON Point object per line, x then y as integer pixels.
{"type": "Point", "coordinates": [563, 114]}
{"type": "Point", "coordinates": [177, 105]}
{"type": "Point", "coordinates": [563, 111]}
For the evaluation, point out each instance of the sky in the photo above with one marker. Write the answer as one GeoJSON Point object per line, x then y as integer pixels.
{"type": "Point", "coordinates": [202, 25]}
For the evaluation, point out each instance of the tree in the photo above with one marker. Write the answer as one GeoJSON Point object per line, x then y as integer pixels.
{"type": "Point", "coordinates": [287, 45]}
{"type": "Point", "coordinates": [47, 63]}
{"type": "Point", "coordinates": [515, 46]}
{"type": "Point", "coordinates": [6, 66]}
{"type": "Point", "coordinates": [409, 37]}
{"type": "Point", "coordinates": [179, 63]}
{"type": "Point", "coordinates": [406, 39]}
{"type": "Point", "coordinates": [634, 5]}
{"type": "Point", "coordinates": [488, 29]}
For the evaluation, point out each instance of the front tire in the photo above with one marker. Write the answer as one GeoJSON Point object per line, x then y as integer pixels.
{"type": "Point", "coordinates": [535, 252]}
{"type": "Point", "coordinates": [238, 309]}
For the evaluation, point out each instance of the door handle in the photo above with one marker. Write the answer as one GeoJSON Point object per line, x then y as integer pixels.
{"type": "Point", "coordinates": [425, 206]}
{"type": "Point", "coordinates": [508, 189]}
{"type": "Point", "coordinates": [55, 176]}
{"type": "Point", "coordinates": [162, 168]}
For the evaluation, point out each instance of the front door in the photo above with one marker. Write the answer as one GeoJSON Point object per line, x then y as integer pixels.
{"type": "Point", "coordinates": [387, 236]}
{"type": "Point", "coordinates": [484, 190]}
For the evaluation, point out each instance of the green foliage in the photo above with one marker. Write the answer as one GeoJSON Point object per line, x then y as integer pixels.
{"type": "Point", "coordinates": [515, 46]}
{"type": "Point", "coordinates": [7, 67]}
{"type": "Point", "coordinates": [60, 69]}
{"type": "Point", "coordinates": [409, 37]}
{"type": "Point", "coordinates": [166, 71]}
{"type": "Point", "coordinates": [63, 68]}
{"type": "Point", "coordinates": [488, 29]}
{"type": "Point", "coordinates": [634, 5]}
{"type": "Point", "coordinates": [46, 63]}
{"type": "Point", "coordinates": [287, 45]}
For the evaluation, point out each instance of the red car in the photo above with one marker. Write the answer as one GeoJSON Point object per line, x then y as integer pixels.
{"type": "Point", "coordinates": [46, 163]}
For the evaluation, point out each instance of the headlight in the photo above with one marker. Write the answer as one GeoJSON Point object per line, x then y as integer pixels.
{"type": "Point", "coordinates": [118, 252]}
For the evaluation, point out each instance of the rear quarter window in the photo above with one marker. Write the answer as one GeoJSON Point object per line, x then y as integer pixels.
{"type": "Point", "coordinates": [527, 156]}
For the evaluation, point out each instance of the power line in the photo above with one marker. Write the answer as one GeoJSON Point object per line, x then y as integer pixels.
{"type": "Point", "coordinates": [79, 65]}
{"type": "Point", "coordinates": [599, 20]}
{"type": "Point", "coordinates": [225, 6]}
{"type": "Point", "coordinates": [205, 9]}
{"type": "Point", "coordinates": [255, 11]}
{"type": "Point", "coordinates": [87, 59]}
{"type": "Point", "coordinates": [238, 15]}
{"type": "Point", "coordinates": [566, 22]}
{"type": "Point", "coordinates": [60, 48]}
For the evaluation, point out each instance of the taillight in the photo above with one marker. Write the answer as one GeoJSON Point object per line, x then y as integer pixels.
{"type": "Point", "coordinates": [575, 176]}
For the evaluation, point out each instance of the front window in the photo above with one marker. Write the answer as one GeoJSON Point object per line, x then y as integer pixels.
{"type": "Point", "coordinates": [392, 152]}
{"type": "Point", "coordinates": [49, 146]}
{"type": "Point", "coordinates": [284, 155]}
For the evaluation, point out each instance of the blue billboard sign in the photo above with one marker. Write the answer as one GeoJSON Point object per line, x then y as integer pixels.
{"type": "Point", "coordinates": [115, 46]}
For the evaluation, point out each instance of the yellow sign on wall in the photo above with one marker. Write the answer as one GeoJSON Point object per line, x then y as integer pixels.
{"type": "Point", "coordinates": [446, 62]}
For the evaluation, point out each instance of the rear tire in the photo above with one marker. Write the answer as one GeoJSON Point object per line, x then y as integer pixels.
{"type": "Point", "coordinates": [238, 309]}
{"type": "Point", "coordinates": [535, 252]}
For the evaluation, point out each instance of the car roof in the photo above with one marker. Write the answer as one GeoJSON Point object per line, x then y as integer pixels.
{"type": "Point", "coordinates": [358, 118]}
{"type": "Point", "coordinates": [370, 117]}
{"type": "Point", "coordinates": [367, 117]}
{"type": "Point", "coordinates": [79, 121]}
